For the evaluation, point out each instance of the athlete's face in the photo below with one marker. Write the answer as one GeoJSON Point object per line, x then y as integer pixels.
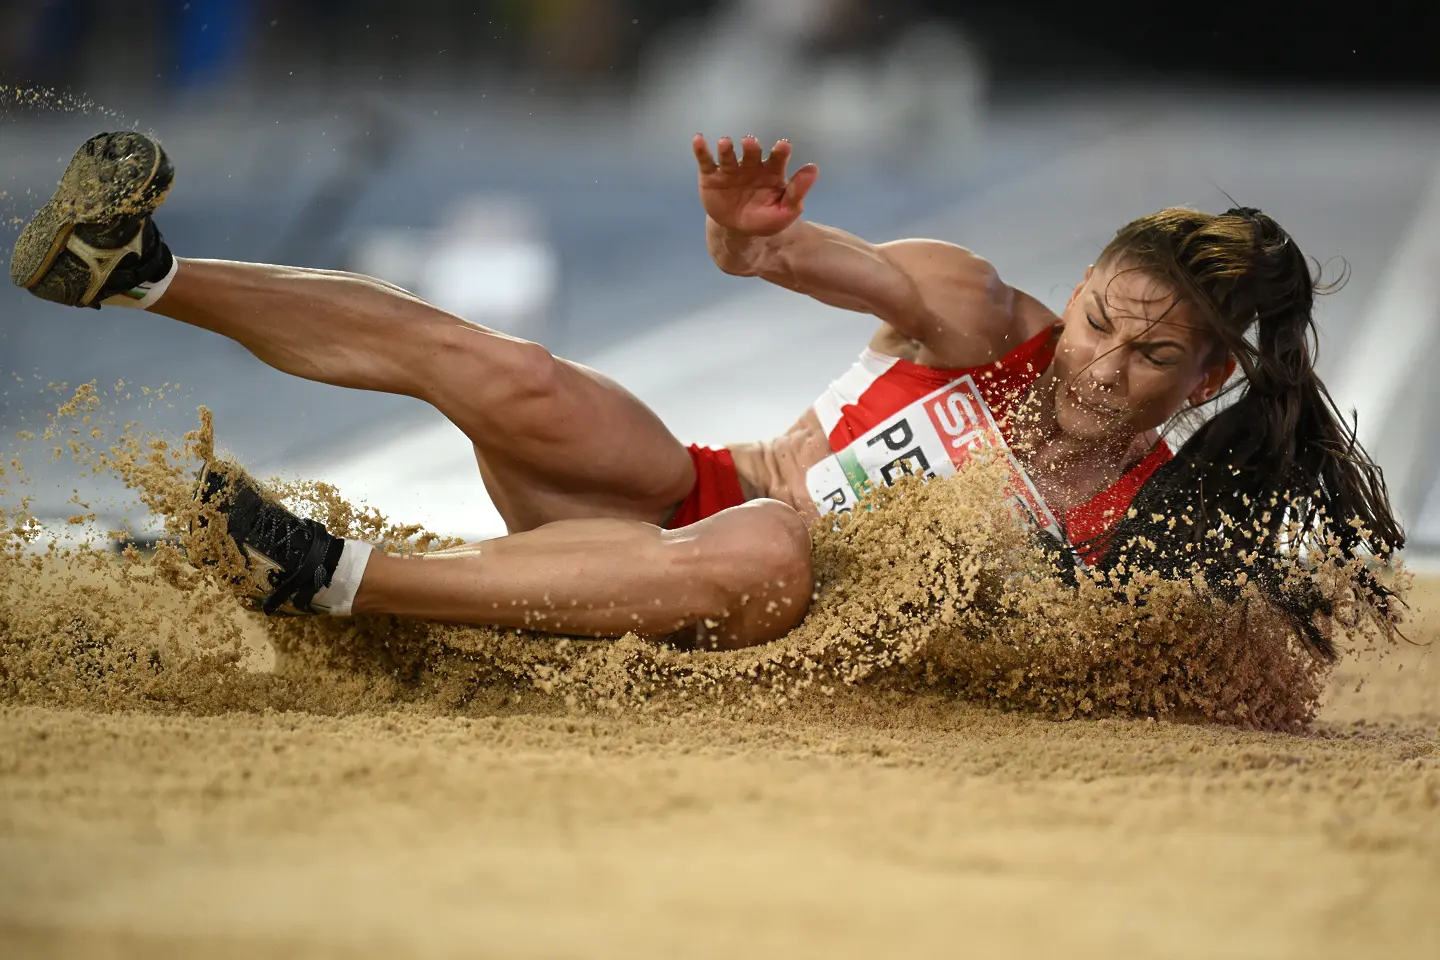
{"type": "Point", "coordinates": [1130, 357]}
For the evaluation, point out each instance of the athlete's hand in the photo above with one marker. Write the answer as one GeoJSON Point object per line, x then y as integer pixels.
{"type": "Point", "coordinates": [751, 195]}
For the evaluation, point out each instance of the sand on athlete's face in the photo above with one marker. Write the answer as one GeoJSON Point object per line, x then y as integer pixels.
{"type": "Point", "coordinates": [936, 589]}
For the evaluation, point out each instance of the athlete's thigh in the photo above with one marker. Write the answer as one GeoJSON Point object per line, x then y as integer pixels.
{"type": "Point", "coordinates": [594, 450]}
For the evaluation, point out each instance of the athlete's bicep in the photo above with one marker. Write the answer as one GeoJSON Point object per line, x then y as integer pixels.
{"type": "Point", "coordinates": [933, 292]}
{"type": "Point", "coordinates": [949, 296]}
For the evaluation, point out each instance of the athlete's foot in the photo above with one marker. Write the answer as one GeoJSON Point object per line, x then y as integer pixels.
{"type": "Point", "coordinates": [94, 239]}
{"type": "Point", "coordinates": [288, 559]}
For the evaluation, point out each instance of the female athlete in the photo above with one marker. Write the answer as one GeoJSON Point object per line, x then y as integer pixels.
{"type": "Point", "coordinates": [616, 526]}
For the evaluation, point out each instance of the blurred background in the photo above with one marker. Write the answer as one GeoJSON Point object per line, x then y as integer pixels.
{"type": "Point", "coordinates": [527, 165]}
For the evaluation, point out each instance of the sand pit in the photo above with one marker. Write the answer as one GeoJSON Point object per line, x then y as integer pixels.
{"type": "Point", "coordinates": [907, 825]}
{"type": "Point", "coordinates": [180, 778]}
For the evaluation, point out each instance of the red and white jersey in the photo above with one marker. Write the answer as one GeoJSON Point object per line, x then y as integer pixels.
{"type": "Point", "coordinates": [888, 417]}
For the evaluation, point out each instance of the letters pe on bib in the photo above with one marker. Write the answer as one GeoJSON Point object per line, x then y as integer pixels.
{"type": "Point", "coordinates": [933, 437]}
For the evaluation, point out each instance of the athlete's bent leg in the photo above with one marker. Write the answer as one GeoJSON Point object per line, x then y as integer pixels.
{"type": "Point", "coordinates": [555, 440]}
{"type": "Point", "coordinates": [736, 579]}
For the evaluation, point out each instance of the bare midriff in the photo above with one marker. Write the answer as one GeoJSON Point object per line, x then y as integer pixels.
{"type": "Point", "coordinates": [776, 468]}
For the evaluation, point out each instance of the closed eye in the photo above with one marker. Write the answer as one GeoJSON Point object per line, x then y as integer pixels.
{"type": "Point", "coordinates": [1157, 361]}
{"type": "Point", "coordinates": [1093, 323]}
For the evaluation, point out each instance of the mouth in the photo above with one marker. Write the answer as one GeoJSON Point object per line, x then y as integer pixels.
{"type": "Point", "coordinates": [1097, 409]}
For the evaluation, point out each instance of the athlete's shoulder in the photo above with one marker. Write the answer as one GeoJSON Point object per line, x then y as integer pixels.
{"type": "Point", "coordinates": [925, 259]}
{"type": "Point", "coordinates": [1030, 316]}
{"type": "Point", "coordinates": [974, 313]}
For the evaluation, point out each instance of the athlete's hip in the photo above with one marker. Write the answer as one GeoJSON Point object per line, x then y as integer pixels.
{"type": "Point", "coordinates": [775, 469]}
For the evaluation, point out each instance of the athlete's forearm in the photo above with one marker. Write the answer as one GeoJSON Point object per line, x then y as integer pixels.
{"type": "Point", "coordinates": [826, 263]}
{"type": "Point", "coordinates": [740, 254]}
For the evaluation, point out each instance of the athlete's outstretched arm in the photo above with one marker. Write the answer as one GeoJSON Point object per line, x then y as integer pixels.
{"type": "Point", "coordinates": [928, 290]}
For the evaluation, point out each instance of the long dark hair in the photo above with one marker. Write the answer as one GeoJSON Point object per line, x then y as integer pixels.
{"type": "Point", "coordinates": [1276, 456]}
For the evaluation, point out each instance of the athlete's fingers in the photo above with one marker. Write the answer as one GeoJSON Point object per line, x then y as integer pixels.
{"type": "Point", "coordinates": [727, 154]}
{"type": "Point", "coordinates": [779, 157]}
{"type": "Point", "coordinates": [750, 156]}
{"type": "Point", "coordinates": [800, 184]}
{"type": "Point", "coordinates": [702, 154]}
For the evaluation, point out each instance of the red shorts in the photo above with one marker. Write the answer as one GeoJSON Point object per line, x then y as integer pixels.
{"type": "Point", "coordinates": [717, 487]}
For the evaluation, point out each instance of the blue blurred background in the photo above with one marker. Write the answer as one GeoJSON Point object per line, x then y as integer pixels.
{"type": "Point", "coordinates": [526, 164]}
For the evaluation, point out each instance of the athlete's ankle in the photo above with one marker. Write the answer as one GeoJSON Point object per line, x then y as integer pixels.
{"type": "Point", "coordinates": [338, 597]}
{"type": "Point", "coordinates": [146, 279]}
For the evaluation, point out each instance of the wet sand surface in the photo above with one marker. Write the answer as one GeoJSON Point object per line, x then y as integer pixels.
{"type": "Point", "coordinates": [916, 825]}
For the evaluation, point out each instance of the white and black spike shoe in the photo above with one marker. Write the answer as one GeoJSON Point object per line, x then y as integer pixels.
{"type": "Point", "coordinates": [288, 558]}
{"type": "Point", "coordinates": [94, 239]}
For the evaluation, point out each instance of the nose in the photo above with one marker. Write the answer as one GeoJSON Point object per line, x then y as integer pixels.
{"type": "Point", "coordinates": [1104, 369]}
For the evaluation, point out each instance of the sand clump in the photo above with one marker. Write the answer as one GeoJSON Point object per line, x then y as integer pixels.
{"type": "Point", "coordinates": [934, 588]}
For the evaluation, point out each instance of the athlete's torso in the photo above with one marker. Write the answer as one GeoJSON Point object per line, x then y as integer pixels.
{"type": "Point", "coordinates": [894, 412]}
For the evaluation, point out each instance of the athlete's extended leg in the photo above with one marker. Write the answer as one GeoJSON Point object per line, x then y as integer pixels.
{"type": "Point", "coordinates": [554, 439]}
{"type": "Point", "coordinates": [740, 577]}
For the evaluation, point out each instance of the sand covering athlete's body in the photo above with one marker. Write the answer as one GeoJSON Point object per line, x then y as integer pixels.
{"type": "Point", "coordinates": [615, 526]}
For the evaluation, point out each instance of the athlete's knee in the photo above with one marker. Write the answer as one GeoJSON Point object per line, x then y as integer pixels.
{"type": "Point", "coordinates": [776, 543]}
{"type": "Point", "coordinates": [497, 373]}
{"type": "Point", "coordinates": [755, 559]}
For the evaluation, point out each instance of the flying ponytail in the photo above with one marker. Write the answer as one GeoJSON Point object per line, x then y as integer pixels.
{"type": "Point", "coordinates": [1276, 457]}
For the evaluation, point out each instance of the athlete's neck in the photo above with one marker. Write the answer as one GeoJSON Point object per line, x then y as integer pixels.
{"type": "Point", "coordinates": [1056, 450]}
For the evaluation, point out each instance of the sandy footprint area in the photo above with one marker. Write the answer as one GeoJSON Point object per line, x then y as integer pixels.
{"type": "Point", "coordinates": [918, 826]}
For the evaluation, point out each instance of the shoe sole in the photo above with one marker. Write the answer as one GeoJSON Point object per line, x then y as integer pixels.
{"type": "Point", "coordinates": [112, 175]}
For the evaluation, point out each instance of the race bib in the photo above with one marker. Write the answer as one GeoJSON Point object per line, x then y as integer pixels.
{"type": "Point", "coordinates": [932, 437]}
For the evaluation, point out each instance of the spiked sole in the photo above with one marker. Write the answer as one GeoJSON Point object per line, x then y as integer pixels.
{"type": "Point", "coordinates": [112, 176]}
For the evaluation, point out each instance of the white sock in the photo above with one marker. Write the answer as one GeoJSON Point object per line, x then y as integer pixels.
{"type": "Point", "coordinates": [337, 598]}
{"type": "Point", "coordinates": [144, 296]}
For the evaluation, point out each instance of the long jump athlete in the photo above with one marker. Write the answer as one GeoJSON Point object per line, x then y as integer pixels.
{"type": "Point", "coordinates": [616, 526]}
